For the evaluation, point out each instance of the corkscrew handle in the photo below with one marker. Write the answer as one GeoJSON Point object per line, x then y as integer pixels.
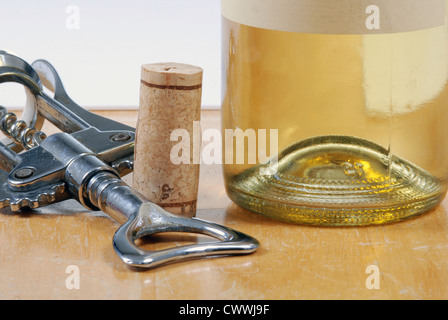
{"type": "Point", "coordinates": [231, 242]}
{"type": "Point", "coordinates": [141, 218]}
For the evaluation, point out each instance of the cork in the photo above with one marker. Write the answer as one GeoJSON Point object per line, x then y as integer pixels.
{"type": "Point", "coordinates": [166, 169]}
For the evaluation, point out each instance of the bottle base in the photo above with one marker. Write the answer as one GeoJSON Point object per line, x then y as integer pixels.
{"type": "Point", "coordinates": [331, 217]}
{"type": "Point", "coordinates": [337, 181]}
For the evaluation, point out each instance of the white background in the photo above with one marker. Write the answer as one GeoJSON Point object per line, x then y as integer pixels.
{"type": "Point", "coordinates": [100, 62]}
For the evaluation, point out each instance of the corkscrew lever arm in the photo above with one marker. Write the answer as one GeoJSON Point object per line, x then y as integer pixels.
{"type": "Point", "coordinates": [62, 111]}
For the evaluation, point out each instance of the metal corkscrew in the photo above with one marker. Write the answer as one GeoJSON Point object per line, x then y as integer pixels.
{"type": "Point", "coordinates": [86, 161]}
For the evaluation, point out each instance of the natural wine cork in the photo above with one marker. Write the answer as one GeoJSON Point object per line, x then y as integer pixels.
{"type": "Point", "coordinates": [170, 109]}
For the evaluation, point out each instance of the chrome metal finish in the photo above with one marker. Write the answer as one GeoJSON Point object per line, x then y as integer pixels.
{"type": "Point", "coordinates": [19, 131]}
{"type": "Point", "coordinates": [142, 218]}
{"type": "Point", "coordinates": [151, 219]}
{"type": "Point", "coordinates": [14, 69]}
{"type": "Point", "coordinates": [86, 161]}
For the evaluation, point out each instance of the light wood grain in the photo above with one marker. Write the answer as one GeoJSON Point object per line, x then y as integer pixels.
{"type": "Point", "coordinates": [293, 262]}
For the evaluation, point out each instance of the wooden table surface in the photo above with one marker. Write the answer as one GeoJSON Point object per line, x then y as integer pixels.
{"type": "Point", "coordinates": [39, 250]}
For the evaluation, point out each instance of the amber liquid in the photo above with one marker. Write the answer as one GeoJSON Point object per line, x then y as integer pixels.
{"type": "Point", "coordinates": [361, 120]}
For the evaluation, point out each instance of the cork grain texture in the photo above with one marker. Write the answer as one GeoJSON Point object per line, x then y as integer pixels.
{"type": "Point", "coordinates": [170, 99]}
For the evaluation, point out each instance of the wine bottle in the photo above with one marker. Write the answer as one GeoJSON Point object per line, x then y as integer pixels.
{"type": "Point", "coordinates": [351, 99]}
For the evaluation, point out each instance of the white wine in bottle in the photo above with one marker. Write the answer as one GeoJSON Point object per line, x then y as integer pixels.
{"type": "Point", "coordinates": [357, 92]}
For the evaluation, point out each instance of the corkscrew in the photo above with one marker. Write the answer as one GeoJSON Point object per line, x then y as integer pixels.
{"type": "Point", "coordinates": [86, 161]}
